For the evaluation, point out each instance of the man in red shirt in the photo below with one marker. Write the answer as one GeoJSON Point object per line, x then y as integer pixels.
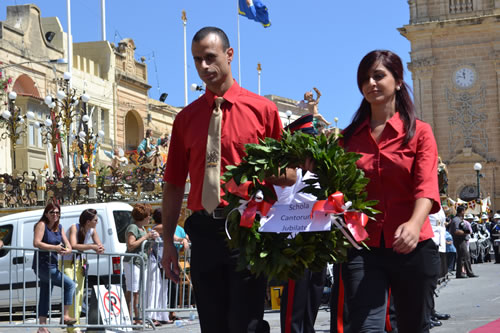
{"type": "Point", "coordinates": [227, 300]}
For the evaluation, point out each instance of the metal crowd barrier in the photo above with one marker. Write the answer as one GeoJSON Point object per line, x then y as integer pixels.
{"type": "Point", "coordinates": [23, 289]}
{"type": "Point", "coordinates": [162, 295]}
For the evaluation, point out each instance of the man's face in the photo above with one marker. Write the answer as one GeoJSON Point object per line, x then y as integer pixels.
{"type": "Point", "coordinates": [212, 62]}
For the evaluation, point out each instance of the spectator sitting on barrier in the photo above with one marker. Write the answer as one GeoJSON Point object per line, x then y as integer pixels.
{"type": "Point", "coordinates": [49, 236]}
{"type": "Point", "coordinates": [82, 236]}
{"type": "Point", "coordinates": [133, 269]}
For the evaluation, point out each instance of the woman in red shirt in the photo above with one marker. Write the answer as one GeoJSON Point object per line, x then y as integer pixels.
{"type": "Point", "coordinates": [399, 156]}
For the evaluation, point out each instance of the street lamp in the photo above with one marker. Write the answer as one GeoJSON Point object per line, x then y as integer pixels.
{"type": "Point", "coordinates": [477, 168]}
{"type": "Point", "coordinates": [64, 107]}
{"type": "Point", "coordinates": [14, 124]}
{"type": "Point", "coordinates": [88, 141]}
{"type": "Point", "coordinates": [196, 87]}
{"type": "Point", "coordinates": [288, 115]}
{"type": "Point", "coordinates": [50, 132]}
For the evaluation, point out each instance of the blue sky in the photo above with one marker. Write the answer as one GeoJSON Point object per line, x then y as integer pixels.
{"type": "Point", "coordinates": [310, 43]}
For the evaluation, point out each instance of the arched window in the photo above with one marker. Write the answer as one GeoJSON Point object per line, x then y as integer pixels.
{"type": "Point", "coordinates": [24, 85]}
{"type": "Point", "coordinates": [469, 193]}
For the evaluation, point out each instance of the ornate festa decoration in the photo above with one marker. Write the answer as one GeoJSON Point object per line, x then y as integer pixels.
{"type": "Point", "coordinates": [466, 121]}
{"type": "Point", "coordinates": [340, 193]}
{"type": "Point", "coordinates": [64, 111]}
{"type": "Point", "coordinates": [14, 124]}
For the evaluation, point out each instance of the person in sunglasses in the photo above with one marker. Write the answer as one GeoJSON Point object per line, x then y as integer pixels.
{"type": "Point", "coordinates": [50, 236]}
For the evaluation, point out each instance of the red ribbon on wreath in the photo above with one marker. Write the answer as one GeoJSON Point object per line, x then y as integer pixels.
{"type": "Point", "coordinates": [253, 206]}
{"type": "Point", "coordinates": [355, 221]}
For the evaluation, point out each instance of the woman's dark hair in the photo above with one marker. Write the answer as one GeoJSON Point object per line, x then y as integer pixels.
{"type": "Point", "coordinates": [50, 206]}
{"type": "Point", "coordinates": [141, 211]}
{"type": "Point", "coordinates": [404, 104]}
{"type": "Point", "coordinates": [157, 215]}
{"type": "Point", "coordinates": [86, 216]}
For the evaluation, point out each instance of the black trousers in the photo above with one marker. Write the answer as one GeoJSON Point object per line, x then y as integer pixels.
{"type": "Point", "coordinates": [451, 258]}
{"type": "Point", "coordinates": [412, 277]}
{"type": "Point", "coordinates": [444, 264]}
{"type": "Point", "coordinates": [228, 301]}
{"type": "Point", "coordinates": [299, 315]}
{"type": "Point", "coordinates": [339, 314]}
{"type": "Point", "coordinates": [463, 258]}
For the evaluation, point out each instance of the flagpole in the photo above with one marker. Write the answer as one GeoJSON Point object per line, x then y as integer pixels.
{"type": "Point", "coordinates": [69, 165]}
{"type": "Point", "coordinates": [70, 40]}
{"type": "Point", "coordinates": [239, 49]}
{"type": "Point", "coordinates": [184, 20]}
{"type": "Point", "coordinates": [103, 19]}
{"type": "Point", "coordinates": [259, 69]}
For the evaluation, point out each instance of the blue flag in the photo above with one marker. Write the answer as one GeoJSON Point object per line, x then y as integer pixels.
{"type": "Point", "coordinates": [254, 10]}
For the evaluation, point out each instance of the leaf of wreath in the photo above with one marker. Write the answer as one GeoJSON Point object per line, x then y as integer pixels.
{"type": "Point", "coordinates": [277, 255]}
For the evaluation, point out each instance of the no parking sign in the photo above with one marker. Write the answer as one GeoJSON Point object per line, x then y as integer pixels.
{"type": "Point", "coordinates": [113, 306]}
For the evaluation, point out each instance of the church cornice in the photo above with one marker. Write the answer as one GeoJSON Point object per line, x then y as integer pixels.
{"type": "Point", "coordinates": [442, 23]}
{"type": "Point", "coordinates": [422, 65]}
{"type": "Point", "coordinates": [121, 75]}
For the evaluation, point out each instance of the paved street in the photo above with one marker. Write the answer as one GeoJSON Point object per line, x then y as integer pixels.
{"type": "Point", "coordinates": [471, 302]}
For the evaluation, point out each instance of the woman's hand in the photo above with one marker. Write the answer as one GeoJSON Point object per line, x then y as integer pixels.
{"type": "Point", "coordinates": [63, 250]}
{"type": "Point", "coordinates": [185, 243]}
{"type": "Point", "coordinates": [406, 237]}
{"type": "Point", "coordinates": [98, 248]}
{"type": "Point", "coordinates": [407, 234]}
{"type": "Point", "coordinates": [152, 234]}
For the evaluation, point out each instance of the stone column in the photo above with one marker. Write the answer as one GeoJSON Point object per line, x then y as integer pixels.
{"type": "Point", "coordinates": [40, 190]}
{"type": "Point", "coordinates": [92, 186]}
{"type": "Point", "coordinates": [422, 69]}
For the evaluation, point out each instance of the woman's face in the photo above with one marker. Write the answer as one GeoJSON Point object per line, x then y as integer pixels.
{"type": "Point", "coordinates": [92, 223]}
{"type": "Point", "coordinates": [144, 221]}
{"type": "Point", "coordinates": [380, 87]}
{"type": "Point", "coordinates": [53, 215]}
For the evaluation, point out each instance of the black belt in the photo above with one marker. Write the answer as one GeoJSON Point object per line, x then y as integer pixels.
{"type": "Point", "coordinates": [217, 214]}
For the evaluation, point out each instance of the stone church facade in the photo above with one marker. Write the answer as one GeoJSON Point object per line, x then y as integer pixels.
{"type": "Point", "coordinates": [455, 64]}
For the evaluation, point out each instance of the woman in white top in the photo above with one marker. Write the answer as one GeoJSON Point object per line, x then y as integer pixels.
{"type": "Point", "coordinates": [82, 237]}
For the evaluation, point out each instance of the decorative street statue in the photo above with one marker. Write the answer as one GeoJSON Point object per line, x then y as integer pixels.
{"type": "Point", "coordinates": [149, 155]}
{"type": "Point", "coordinates": [312, 105]}
{"type": "Point", "coordinates": [442, 177]}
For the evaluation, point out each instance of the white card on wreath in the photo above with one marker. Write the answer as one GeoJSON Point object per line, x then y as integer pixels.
{"type": "Point", "coordinates": [294, 217]}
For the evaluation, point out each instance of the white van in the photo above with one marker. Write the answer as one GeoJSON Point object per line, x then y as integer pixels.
{"type": "Point", "coordinates": [17, 230]}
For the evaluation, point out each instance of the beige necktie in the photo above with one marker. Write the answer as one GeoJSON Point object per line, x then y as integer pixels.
{"type": "Point", "coordinates": [210, 196]}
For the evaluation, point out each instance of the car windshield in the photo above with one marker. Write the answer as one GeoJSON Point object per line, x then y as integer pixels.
{"type": "Point", "coordinates": [122, 220]}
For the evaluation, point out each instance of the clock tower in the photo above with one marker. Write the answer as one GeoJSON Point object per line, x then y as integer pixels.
{"type": "Point", "coordinates": [455, 64]}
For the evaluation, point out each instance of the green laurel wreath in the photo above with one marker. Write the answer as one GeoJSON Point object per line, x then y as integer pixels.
{"type": "Point", "coordinates": [276, 255]}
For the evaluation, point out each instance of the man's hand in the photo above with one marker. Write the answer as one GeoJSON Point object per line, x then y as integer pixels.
{"type": "Point", "coordinates": [170, 261]}
{"type": "Point", "coordinates": [406, 237]}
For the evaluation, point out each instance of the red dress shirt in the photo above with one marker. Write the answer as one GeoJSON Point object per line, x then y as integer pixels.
{"type": "Point", "coordinates": [399, 175]}
{"type": "Point", "coordinates": [247, 117]}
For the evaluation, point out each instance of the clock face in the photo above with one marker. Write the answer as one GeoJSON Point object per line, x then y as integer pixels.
{"type": "Point", "coordinates": [465, 77]}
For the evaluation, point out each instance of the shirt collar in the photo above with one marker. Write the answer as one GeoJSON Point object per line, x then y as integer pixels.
{"type": "Point", "coordinates": [395, 123]}
{"type": "Point", "coordinates": [229, 96]}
